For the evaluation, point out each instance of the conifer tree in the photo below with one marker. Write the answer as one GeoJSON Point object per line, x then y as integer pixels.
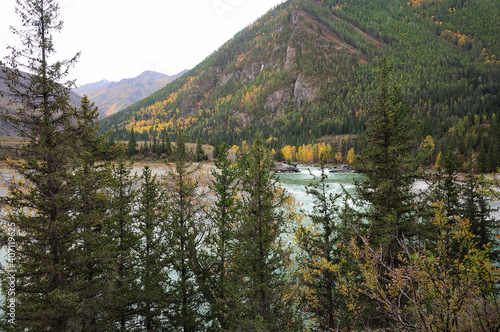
{"type": "Point", "coordinates": [390, 170]}
{"type": "Point", "coordinates": [213, 266]}
{"type": "Point", "coordinates": [151, 253]}
{"type": "Point", "coordinates": [167, 147]}
{"type": "Point", "coordinates": [124, 241]}
{"type": "Point", "coordinates": [199, 153]}
{"type": "Point", "coordinates": [92, 178]}
{"type": "Point", "coordinates": [260, 253]}
{"type": "Point", "coordinates": [155, 147]}
{"type": "Point", "coordinates": [132, 144]}
{"type": "Point", "coordinates": [49, 204]}
{"type": "Point", "coordinates": [184, 230]}
{"type": "Point", "coordinates": [278, 156]}
{"type": "Point", "coordinates": [444, 185]}
{"type": "Point", "coordinates": [385, 204]}
{"type": "Point", "coordinates": [476, 210]}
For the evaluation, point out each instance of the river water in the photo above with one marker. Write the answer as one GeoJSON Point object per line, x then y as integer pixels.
{"type": "Point", "coordinates": [295, 184]}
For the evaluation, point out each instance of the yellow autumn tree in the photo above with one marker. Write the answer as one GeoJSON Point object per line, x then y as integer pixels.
{"type": "Point", "coordinates": [324, 152]}
{"type": "Point", "coordinates": [339, 157]}
{"type": "Point", "coordinates": [289, 152]}
{"type": "Point", "coordinates": [350, 156]}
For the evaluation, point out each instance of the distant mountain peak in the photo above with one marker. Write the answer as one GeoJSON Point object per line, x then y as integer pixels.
{"type": "Point", "coordinates": [111, 97]}
{"type": "Point", "coordinates": [149, 76]}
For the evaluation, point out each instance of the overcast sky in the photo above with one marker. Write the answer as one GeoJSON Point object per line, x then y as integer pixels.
{"type": "Point", "coordinates": [122, 38]}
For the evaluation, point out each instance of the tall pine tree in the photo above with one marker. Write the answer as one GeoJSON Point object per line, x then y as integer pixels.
{"type": "Point", "coordinates": [184, 306]}
{"type": "Point", "coordinates": [49, 212]}
{"type": "Point", "coordinates": [213, 265]}
{"type": "Point", "coordinates": [389, 169]}
{"type": "Point", "coordinates": [261, 255]}
{"type": "Point", "coordinates": [124, 240]}
{"type": "Point", "coordinates": [151, 253]}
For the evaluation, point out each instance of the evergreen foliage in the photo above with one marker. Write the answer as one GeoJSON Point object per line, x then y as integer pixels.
{"type": "Point", "coordinates": [390, 170]}
{"type": "Point", "coordinates": [184, 305]}
{"type": "Point", "coordinates": [132, 144]}
{"type": "Point", "coordinates": [151, 252]}
{"type": "Point", "coordinates": [124, 240]}
{"type": "Point", "coordinates": [216, 276]}
{"type": "Point", "coordinates": [261, 254]}
{"type": "Point", "coordinates": [55, 203]}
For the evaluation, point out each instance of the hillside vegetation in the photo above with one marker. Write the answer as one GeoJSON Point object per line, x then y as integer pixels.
{"type": "Point", "coordinates": [308, 69]}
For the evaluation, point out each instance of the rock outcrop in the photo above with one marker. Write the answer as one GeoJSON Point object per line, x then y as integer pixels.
{"type": "Point", "coordinates": [341, 169]}
{"type": "Point", "coordinates": [284, 168]}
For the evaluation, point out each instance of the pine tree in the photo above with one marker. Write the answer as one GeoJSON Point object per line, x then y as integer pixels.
{"type": "Point", "coordinates": [132, 144]}
{"type": "Point", "coordinates": [278, 156]}
{"type": "Point", "coordinates": [124, 240]}
{"type": "Point", "coordinates": [199, 153]}
{"type": "Point", "coordinates": [151, 253]}
{"type": "Point", "coordinates": [444, 185]}
{"type": "Point", "coordinates": [215, 152]}
{"type": "Point", "coordinates": [260, 254]}
{"type": "Point", "coordinates": [155, 148]}
{"type": "Point", "coordinates": [476, 210]}
{"type": "Point", "coordinates": [390, 170]}
{"type": "Point", "coordinates": [183, 210]}
{"type": "Point", "coordinates": [92, 178]}
{"type": "Point", "coordinates": [385, 203]}
{"type": "Point", "coordinates": [49, 209]}
{"type": "Point", "coordinates": [213, 265]}
{"type": "Point", "coordinates": [167, 146]}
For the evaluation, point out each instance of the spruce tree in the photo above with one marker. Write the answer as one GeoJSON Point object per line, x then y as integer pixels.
{"type": "Point", "coordinates": [389, 169]}
{"type": "Point", "coordinates": [278, 156]}
{"type": "Point", "coordinates": [167, 146]}
{"type": "Point", "coordinates": [155, 147]}
{"type": "Point", "coordinates": [318, 258]}
{"type": "Point", "coordinates": [92, 178]}
{"type": "Point", "coordinates": [444, 185]}
{"type": "Point", "coordinates": [260, 260]}
{"type": "Point", "coordinates": [151, 253]}
{"type": "Point", "coordinates": [477, 211]}
{"type": "Point", "coordinates": [199, 153]}
{"type": "Point", "coordinates": [124, 240]}
{"type": "Point", "coordinates": [184, 230]}
{"type": "Point", "coordinates": [52, 222]}
{"type": "Point", "coordinates": [132, 144]}
{"type": "Point", "coordinates": [385, 205]}
{"type": "Point", "coordinates": [213, 265]}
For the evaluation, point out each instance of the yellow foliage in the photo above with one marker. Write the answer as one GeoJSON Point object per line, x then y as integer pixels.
{"type": "Point", "coordinates": [351, 156]}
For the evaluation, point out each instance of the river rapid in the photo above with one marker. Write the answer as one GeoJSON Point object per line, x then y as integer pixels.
{"type": "Point", "coordinates": [295, 185]}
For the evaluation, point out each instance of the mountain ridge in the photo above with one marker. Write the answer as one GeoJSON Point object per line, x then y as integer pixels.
{"type": "Point", "coordinates": [308, 68]}
{"type": "Point", "coordinates": [110, 97]}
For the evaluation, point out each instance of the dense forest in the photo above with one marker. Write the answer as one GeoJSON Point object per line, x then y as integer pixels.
{"type": "Point", "coordinates": [308, 70]}
{"type": "Point", "coordinates": [90, 246]}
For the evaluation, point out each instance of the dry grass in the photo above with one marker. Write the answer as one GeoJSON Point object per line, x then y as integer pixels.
{"type": "Point", "coordinates": [11, 141]}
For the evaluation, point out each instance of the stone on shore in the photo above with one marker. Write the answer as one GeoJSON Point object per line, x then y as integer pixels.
{"type": "Point", "coordinates": [284, 168]}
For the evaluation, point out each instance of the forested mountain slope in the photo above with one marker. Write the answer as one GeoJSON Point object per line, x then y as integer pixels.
{"type": "Point", "coordinates": [310, 68]}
